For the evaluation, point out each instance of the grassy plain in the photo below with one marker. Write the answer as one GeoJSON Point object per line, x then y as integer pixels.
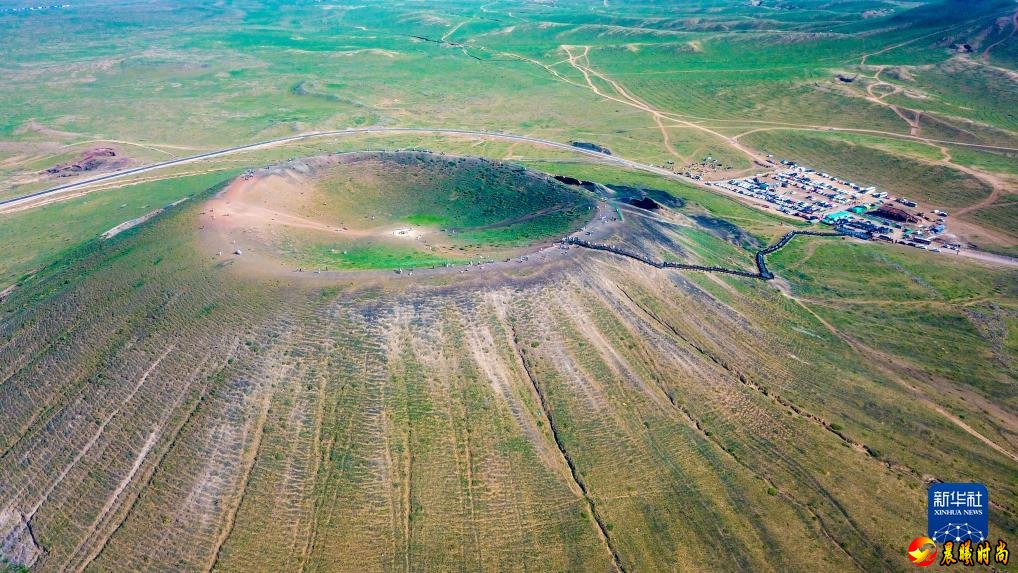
{"type": "Point", "coordinates": [164, 410]}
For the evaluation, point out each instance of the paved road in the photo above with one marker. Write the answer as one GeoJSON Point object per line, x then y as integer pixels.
{"type": "Point", "coordinates": [14, 201]}
{"type": "Point", "coordinates": [339, 133]}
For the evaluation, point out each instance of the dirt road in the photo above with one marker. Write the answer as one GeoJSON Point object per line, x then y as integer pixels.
{"type": "Point", "coordinates": [27, 199]}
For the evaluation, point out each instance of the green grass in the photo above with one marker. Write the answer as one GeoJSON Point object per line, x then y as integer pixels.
{"type": "Point", "coordinates": [938, 186]}
{"type": "Point", "coordinates": [988, 160]}
{"type": "Point", "coordinates": [907, 302]}
{"type": "Point", "coordinates": [426, 220]}
{"type": "Point", "coordinates": [749, 219]}
{"type": "Point", "coordinates": [370, 257]}
{"type": "Point", "coordinates": [931, 337]}
{"type": "Point", "coordinates": [999, 216]}
{"type": "Point", "coordinates": [35, 237]}
{"type": "Point", "coordinates": [234, 82]}
{"type": "Point", "coordinates": [457, 192]}
{"type": "Point", "coordinates": [303, 417]}
{"type": "Point", "coordinates": [843, 270]}
{"type": "Point", "coordinates": [550, 226]}
{"type": "Point", "coordinates": [469, 207]}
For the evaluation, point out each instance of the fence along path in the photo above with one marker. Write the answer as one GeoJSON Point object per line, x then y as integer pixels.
{"type": "Point", "coordinates": [762, 272]}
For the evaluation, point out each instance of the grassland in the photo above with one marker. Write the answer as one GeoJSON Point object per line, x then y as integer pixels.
{"type": "Point", "coordinates": [370, 257]}
{"type": "Point", "coordinates": [36, 238]}
{"type": "Point", "coordinates": [895, 172]}
{"type": "Point", "coordinates": [264, 70]}
{"type": "Point", "coordinates": [163, 408]}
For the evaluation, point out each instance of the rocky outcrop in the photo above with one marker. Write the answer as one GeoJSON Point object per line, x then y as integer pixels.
{"type": "Point", "coordinates": [91, 160]}
{"type": "Point", "coordinates": [17, 543]}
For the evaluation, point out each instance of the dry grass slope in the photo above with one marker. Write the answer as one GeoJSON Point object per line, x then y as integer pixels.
{"type": "Point", "coordinates": [166, 412]}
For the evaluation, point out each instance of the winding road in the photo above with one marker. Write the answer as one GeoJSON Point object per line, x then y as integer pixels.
{"type": "Point", "coordinates": [28, 198]}
{"type": "Point", "coordinates": [14, 201]}
{"type": "Point", "coordinates": [24, 201]}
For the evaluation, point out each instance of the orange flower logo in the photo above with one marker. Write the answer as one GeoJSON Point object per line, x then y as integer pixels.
{"type": "Point", "coordinates": [922, 551]}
